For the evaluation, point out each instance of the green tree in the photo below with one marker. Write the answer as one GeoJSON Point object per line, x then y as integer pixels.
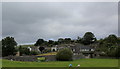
{"type": "Point", "coordinates": [39, 42]}
{"type": "Point", "coordinates": [67, 40]}
{"type": "Point", "coordinates": [24, 51]}
{"type": "Point", "coordinates": [111, 39]}
{"type": "Point", "coordinates": [64, 55]}
{"type": "Point", "coordinates": [8, 46]}
{"type": "Point", "coordinates": [60, 40]}
{"type": "Point", "coordinates": [110, 45]}
{"type": "Point", "coordinates": [88, 38]}
{"type": "Point", "coordinates": [0, 49]}
{"type": "Point", "coordinates": [79, 40]}
{"type": "Point", "coordinates": [33, 53]}
{"type": "Point", "coordinates": [50, 41]}
{"type": "Point", "coordinates": [55, 43]}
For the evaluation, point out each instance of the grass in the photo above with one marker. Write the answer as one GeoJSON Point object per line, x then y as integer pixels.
{"type": "Point", "coordinates": [82, 62]}
{"type": "Point", "coordinates": [46, 54]}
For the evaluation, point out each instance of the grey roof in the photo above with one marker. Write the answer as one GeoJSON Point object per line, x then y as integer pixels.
{"type": "Point", "coordinates": [83, 46]}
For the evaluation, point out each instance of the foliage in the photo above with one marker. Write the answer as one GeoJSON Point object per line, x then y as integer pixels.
{"type": "Point", "coordinates": [39, 42]}
{"type": "Point", "coordinates": [114, 52]}
{"type": "Point", "coordinates": [0, 49]}
{"type": "Point", "coordinates": [111, 39]}
{"type": "Point", "coordinates": [24, 51]}
{"type": "Point", "coordinates": [33, 53]}
{"type": "Point", "coordinates": [64, 55]}
{"type": "Point", "coordinates": [88, 38]}
{"type": "Point", "coordinates": [64, 41]}
{"type": "Point", "coordinates": [55, 43]}
{"type": "Point", "coordinates": [60, 40]}
{"type": "Point", "coordinates": [79, 40]}
{"type": "Point", "coordinates": [109, 45]}
{"type": "Point", "coordinates": [50, 41]}
{"type": "Point", "coordinates": [8, 46]}
{"type": "Point", "coordinates": [67, 40]}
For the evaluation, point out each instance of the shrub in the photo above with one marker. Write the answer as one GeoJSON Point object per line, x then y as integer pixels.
{"type": "Point", "coordinates": [64, 55]}
{"type": "Point", "coordinates": [33, 53]}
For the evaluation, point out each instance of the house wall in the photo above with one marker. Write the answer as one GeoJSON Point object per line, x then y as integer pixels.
{"type": "Point", "coordinates": [54, 49]}
{"type": "Point", "coordinates": [75, 57]}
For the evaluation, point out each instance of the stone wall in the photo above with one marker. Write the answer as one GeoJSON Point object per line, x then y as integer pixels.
{"type": "Point", "coordinates": [34, 58]}
{"type": "Point", "coordinates": [50, 58]}
{"type": "Point", "coordinates": [21, 58]}
{"type": "Point", "coordinates": [53, 57]}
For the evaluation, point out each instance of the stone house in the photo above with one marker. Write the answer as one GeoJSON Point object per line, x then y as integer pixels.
{"type": "Point", "coordinates": [77, 49]}
{"type": "Point", "coordinates": [86, 51]}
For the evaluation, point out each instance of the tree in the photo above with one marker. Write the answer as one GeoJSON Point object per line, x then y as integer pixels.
{"type": "Point", "coordinates": [33, 53]}
{"type": "Point", "coordinates": [110, 45]}
{"type": "Point", "coordinates": [0, 49]}
{"type": "Point", "coordinates": [8, 46]}
{"type": "Point", "coordinates": [88, 38]}
{"type": "Point", "coordinates": [55, 43]}
{"type": "Point", "coordinates": [41, 48]}
{"type": "Point", "coordinates": [111, 39]}
{"type": "Point", "coordinates": [20, 50]}
{"type": "Point", "coordinates": [64, 55]}
{"type": "Point", "coordinates": [50, 41]}
{"type": "Point", "coordinates": [39, 42]}
{"type": "Point", "coordinates": [60, 40]}
{"type": "Point", "coordinates": [24, 51]}
{"type": "Point", "coordinates": [67, 40]}
{"type": "Point", "coordinates": [79, 40]}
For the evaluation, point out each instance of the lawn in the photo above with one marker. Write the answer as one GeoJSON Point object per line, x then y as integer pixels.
{"type": "Point", "coordinates": [82, 62]}
{"type": "Point", "coordinates": [46, 54]}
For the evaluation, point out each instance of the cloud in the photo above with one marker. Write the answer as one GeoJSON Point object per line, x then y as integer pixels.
{"type": "Point", "coordinates": [29, 21]}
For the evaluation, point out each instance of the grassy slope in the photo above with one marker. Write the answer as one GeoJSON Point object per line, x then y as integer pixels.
{"type": "Point", "coordinates": [46, 54]}
{"type": "Point", "coordinates": [82, 62]}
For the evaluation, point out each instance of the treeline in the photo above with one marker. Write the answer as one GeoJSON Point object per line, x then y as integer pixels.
{"type": "Point", "coordinates": [88, 38]}
{"type": "Point", "coordinates": [109, 46]}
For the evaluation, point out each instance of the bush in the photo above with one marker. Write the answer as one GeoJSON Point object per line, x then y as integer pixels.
{"type": "Point", "coordinates": [33, 53]}
{"type": "Point", "coordinates": [64, 55]}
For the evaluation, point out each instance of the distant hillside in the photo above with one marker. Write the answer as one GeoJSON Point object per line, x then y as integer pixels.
{"type": "Point", "coordinates": [26, 45]}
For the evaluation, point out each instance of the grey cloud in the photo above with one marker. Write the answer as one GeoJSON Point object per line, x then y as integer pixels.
{"type": "Point", "coordinates": [29, 21]}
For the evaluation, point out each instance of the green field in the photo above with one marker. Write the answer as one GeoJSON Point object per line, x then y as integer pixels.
{"type": "Point", "coordinates": [82, 62]}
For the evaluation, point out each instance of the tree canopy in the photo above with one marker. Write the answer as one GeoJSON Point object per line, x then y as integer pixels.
{"type": "Point", "coordinates": [8, 46]}
{"type": "Point", "coordinates": [39, 42]}
{"type": "Point", "coordinates": [88, 38]}
{"type": "Point", "coordinates": [64, 55]}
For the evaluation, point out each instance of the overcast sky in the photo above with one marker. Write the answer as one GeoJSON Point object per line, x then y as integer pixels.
{"type": "Point", "coordinates": [27, 22]}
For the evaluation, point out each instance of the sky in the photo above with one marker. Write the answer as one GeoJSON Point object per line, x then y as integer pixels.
{"type": "Point", "coordinates": [29, 21]}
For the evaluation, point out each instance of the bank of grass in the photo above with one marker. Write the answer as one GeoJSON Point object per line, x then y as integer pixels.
{"type": "Point", "coordinates": [46, 54]}
{"type": "Point", "coordinates": [82, 62]}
